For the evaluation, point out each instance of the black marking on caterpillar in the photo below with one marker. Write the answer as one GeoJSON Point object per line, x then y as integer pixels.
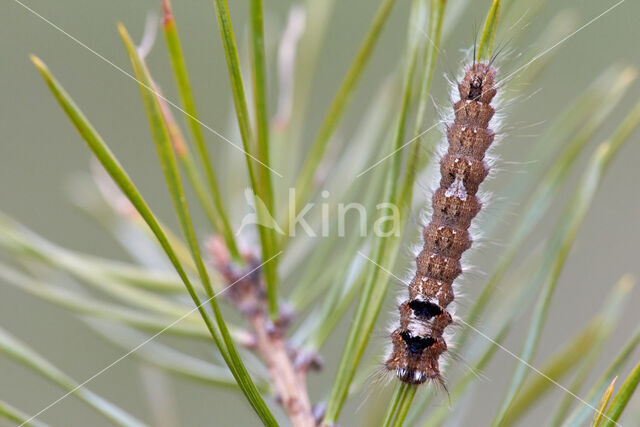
{"type": "Point", "coordinates": [419, 341]}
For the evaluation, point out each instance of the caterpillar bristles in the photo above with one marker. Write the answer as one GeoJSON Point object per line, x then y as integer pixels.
{"type": "Point", "coordinates": [420, 342]}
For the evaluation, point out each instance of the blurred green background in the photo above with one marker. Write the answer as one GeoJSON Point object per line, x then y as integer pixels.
{"type": "Point", "coordinates": [40, 151]}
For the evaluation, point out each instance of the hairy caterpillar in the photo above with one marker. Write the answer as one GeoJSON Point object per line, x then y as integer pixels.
{"type": "Point", "coordinates": [419, 341]}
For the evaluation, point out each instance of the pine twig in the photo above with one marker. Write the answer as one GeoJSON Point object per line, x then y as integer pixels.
{"type": "Point", "coordinates": [287, 367]}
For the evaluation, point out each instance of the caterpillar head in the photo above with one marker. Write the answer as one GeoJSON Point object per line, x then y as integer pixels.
{"type": "Point", "coordinates": [415, 359]}
{"type": "Point", "coordinates": [478, 83]}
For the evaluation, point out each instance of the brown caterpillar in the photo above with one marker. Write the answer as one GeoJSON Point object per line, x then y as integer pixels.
{"type": "Point", "coordinates": [419, 341]}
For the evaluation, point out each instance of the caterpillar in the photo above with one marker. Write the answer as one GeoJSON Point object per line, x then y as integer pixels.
{"type": "Point", "coordinates": [419, 341]}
